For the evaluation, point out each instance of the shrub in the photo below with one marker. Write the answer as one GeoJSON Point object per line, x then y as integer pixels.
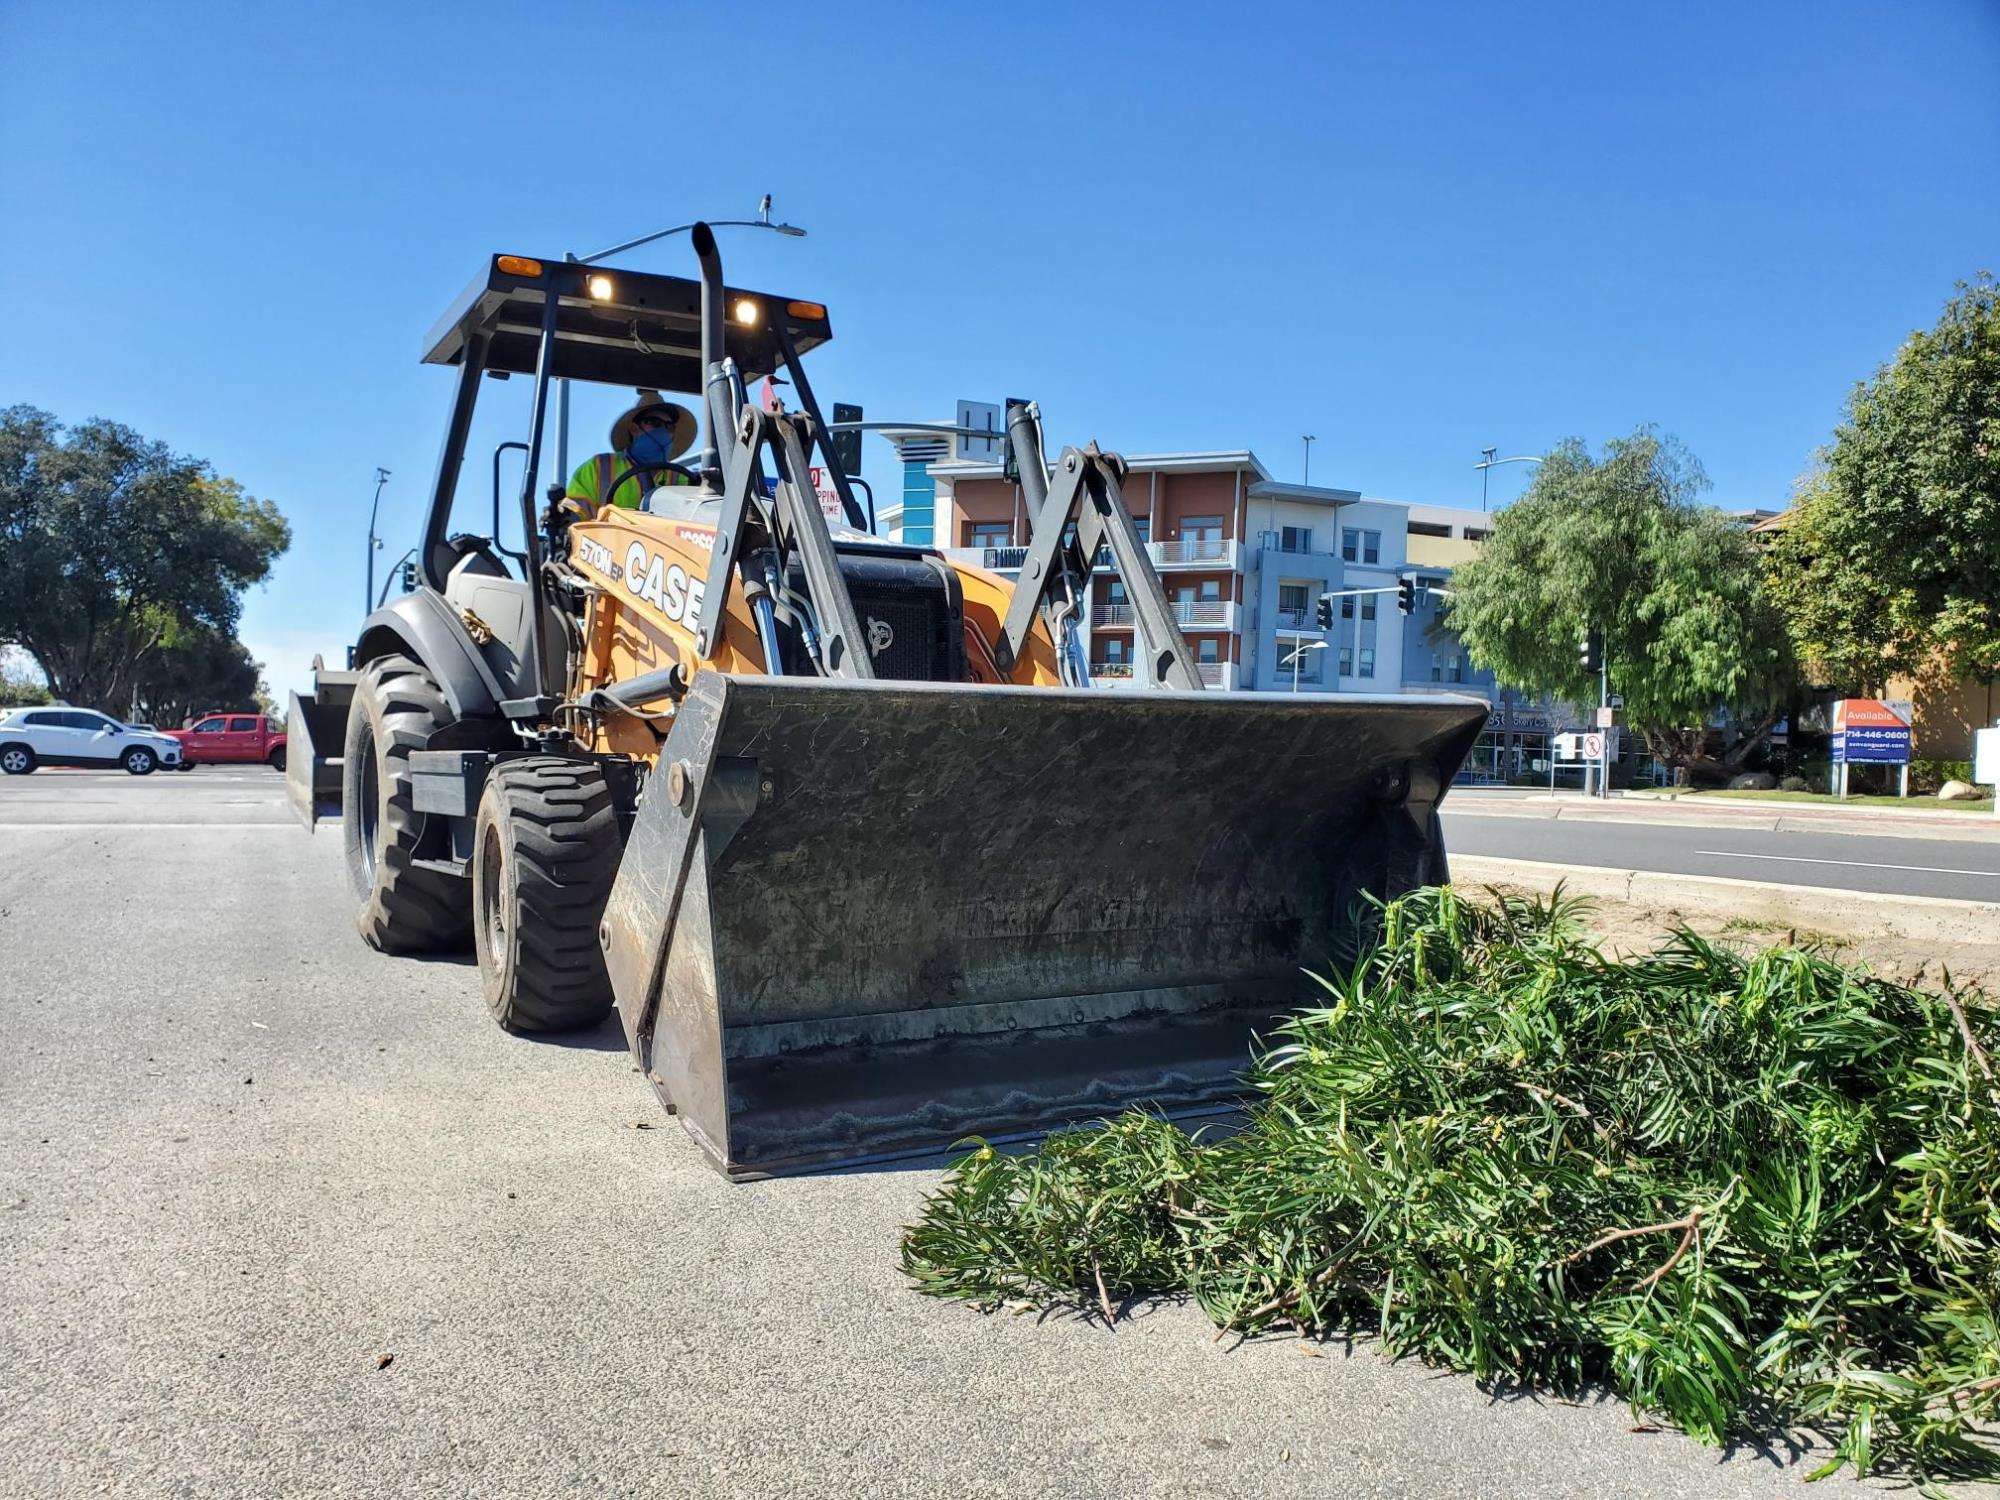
{"type": "Point", "coordinates": [1737, 1189]}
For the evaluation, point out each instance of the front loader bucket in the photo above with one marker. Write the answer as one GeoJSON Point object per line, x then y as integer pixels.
{"type": "Point", "coordinates": [315, 735]}
{"type": "Point", "coordinates": [857, 920]}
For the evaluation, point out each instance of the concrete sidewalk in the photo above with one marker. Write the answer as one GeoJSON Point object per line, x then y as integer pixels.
{"type": "Point", "coordinates": [1757, 814]}
{"type": "Point", "coordinates": [1919, 919]}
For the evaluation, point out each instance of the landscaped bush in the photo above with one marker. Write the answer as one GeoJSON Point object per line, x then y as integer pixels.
{"type": "Point", "coordinates": [1926, 776]}
{"type": "Point", "coordinates": [1739, 1190]}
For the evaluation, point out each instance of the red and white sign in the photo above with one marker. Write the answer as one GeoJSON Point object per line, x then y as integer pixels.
{"type": "Point", "coordinates": [1593, 747]}
{"type": "Point", "coordinates": [1867, 713]}
{"type": "Point", "coordinates": [829, 497]}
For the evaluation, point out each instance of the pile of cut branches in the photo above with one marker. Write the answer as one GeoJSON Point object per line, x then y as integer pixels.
{"type": "Point", "coordinates": [1739, 1190]}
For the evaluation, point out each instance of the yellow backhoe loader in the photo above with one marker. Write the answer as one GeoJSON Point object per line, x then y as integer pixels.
{"type": "Point", "coordinates": [837, 824]}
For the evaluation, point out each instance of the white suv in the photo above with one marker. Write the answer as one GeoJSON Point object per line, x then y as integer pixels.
{"type": "Point", "coordinates": [59, 736]}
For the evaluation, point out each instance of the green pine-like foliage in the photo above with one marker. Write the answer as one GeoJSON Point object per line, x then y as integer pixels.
{"type": "Point", "coordinates": [1742, 1191]}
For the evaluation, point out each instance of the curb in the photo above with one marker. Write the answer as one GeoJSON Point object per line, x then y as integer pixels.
{"type": "Point", "coordinates": [1985, 829]}
{"type": "Point", "coordinates": [1923, 919]}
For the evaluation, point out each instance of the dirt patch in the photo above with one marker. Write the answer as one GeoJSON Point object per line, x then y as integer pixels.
{"type": "Point", "coordinates": [1626, 927]}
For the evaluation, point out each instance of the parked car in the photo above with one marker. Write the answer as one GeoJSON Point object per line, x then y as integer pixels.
{"type": "Point", "coordinates": [64, 736]}
{"type": "Point", "coordinates": [231, 739]}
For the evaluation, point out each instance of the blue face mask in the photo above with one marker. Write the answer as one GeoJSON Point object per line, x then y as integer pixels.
{"type": "Point", "coordinates": [651, 449]}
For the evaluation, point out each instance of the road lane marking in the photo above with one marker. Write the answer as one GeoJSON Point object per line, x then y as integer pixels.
{"type": "Point", "coordinates": [128, 824]}
{"type": "Point", "coordinates": [1857, 864]}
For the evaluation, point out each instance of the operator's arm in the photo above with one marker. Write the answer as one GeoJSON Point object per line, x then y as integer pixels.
{"type": "Point", "coordinates": [580, 499]}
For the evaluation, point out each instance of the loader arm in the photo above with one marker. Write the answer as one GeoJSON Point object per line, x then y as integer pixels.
{"type": "Point", "coordinates": [1088, 492]}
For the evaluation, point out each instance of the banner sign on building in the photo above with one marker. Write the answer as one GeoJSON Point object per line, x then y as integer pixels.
{"type": "Point", "coordinates": [1867, 730]}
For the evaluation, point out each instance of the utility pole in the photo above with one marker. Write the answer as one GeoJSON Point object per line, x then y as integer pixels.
{"type": "Point", "coordinates": [1308, 439]}
{"type": "Point", "coordinates": [374, 542]}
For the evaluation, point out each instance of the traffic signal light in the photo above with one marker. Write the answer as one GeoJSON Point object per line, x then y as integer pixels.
{"type": "Point", "coordinates": [1590, 651]}
{"type": "Point", "coordinates": [1325, 613]}
{"type": "Point", "coordinates": [1406, 595]}
{"type": "Point", "coordinates": [408, 574]}
{"type": "Point", "coordinates": [847, 444]}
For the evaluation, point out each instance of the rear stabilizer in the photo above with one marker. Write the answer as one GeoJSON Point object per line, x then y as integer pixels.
{"type": "Point", "coordinates": [857, 920]}
{"type": "Point", "coordinates": [315, 735]}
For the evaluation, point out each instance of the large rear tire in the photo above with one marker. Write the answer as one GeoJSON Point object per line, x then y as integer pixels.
{"type": "Point", "coordinates": [545, 852]}
{"type": "Point", "coordinates": [397, 706]}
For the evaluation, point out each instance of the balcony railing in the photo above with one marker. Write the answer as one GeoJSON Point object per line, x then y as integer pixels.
{"type": "Point", "coordinates": [1220, 553]}
{"type": "Point", "coordinates": [1220, 674]}
{"type": "Point", "coordinates": [1271, 541]}
{"type": "Point", "coordinates": [1111, 669]}
{"type": "Point", "coordinates": [1202, 614]}
{"type": "Point", "coordinates": [993, 559]}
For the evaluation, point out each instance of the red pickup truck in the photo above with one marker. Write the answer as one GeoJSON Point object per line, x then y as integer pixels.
{"type": "Point", "coordinates": [224, 739]}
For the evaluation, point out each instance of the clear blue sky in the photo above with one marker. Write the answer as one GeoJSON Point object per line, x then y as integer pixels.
{"type": "Point", "coordinates": [1411, 230]}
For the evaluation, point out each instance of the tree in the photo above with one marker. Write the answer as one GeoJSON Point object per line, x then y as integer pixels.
{"type": "Point", "coordinates": [1891, 561]}
{"type": "Point", "coordinates": [192, 673]}
{"type": "Point", "coordinates": [1694, 642]}
{"type": "Point", "coordinates": [110, 545]}
{"type": "Point", "coordinates": [18, 685]}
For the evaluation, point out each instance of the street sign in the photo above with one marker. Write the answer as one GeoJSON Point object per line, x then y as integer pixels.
{"type": "Point", "coordinates": [1867, 730]}
{"type": "Point", "coordinates": [1593, 746]}
{"type": "Point", "coordinates": [829, 497]}
{"type": "Point", "coordinates": [1606, 717]}
{"type": "Point", "coordinates": [985, 416]}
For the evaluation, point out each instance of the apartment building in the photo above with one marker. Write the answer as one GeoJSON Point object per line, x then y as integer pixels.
{"type": "Point", "coordinates": [1244, 557]}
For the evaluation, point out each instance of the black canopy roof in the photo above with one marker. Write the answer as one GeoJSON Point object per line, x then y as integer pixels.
{"type": "Point", "coordinates": [645, 332]}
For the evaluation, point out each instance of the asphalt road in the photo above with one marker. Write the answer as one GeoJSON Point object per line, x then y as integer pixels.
{"type": "Point", "coordinates": [241, 1158]}
{"type": "Point", "coordinates": [1958, 868]}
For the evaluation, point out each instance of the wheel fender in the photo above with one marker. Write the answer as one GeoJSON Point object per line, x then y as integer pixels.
{"type": "Point", "coordinates": [423, 626]}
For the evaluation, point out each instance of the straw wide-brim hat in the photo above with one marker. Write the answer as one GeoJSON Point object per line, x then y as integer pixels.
{"type": "Point", "coordinates": [684, 426]}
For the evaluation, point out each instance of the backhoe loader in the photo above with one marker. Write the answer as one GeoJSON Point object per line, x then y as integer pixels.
{"type": "Point", "coordinates": [837, 825]}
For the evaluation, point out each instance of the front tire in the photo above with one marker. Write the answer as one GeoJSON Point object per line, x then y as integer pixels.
{"type": "Point", "coordinates": [139, 761]}
{"type": "Point", "coordinates": [397, 706]}
{"type": "Point", "coordinates": [16, 760]}
{"type": "Point", "coordinates": [276, 761]}
{"type": "Point", "coordinates": [545, 852]}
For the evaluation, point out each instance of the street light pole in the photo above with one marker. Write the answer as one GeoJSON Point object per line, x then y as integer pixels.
{"type": "Point", "coordinates": [374, 542]}
{"type": "Point", "coordinates": [1299, 654]}
{"type": "Point", "coordinates": [1488, 461]}
{"type": "Point", "coordinates": [762, 221]}
{"type": "Point", "coordinates": [1308, 439]}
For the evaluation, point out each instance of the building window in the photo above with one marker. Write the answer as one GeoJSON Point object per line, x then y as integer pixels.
{"type": "Point", "coordinates": [1211, 590]}
{"type": "Point", "coordinates": [1367, 609]}
{"type": "Point", "coordinates": [919, 501]}
{"type": "Point", "coordinates": [1367, 666]}
{"type": "Point", "coordinates": [990, 534]}
{"type": "Point", "coordinates": [1476, 534]}
{"type": "Point", "coordinates": [1292, 599]}
{"type": "Point", "coordinates": [1144, 526]}
{"type": "Point", "coordinates": [1206, 651]}
{"type": "Point", "coordinates": [1114, 593]}
{"type": "Point", "coordinates": [1347, 609]}
{"type": "Point", "coordinates": [1437, 670]}
{"type": "Point", "coordinates": [1201, 528]}
{"type": "Point", "coordinates": [1114, 648]}
{"type": "Point", "coordinates": [1454, 672]}
{"type": "Point", "coordinates": [1371, 546]}
{"type": "Point", "coordinates": [1346, 662]}
{"type": "Point", "coordinates": [1429, 528]}
{"type": "Point", "coordinates": [1295, 539]}
{"type": "Point", "coordinates": [1350, 544]}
